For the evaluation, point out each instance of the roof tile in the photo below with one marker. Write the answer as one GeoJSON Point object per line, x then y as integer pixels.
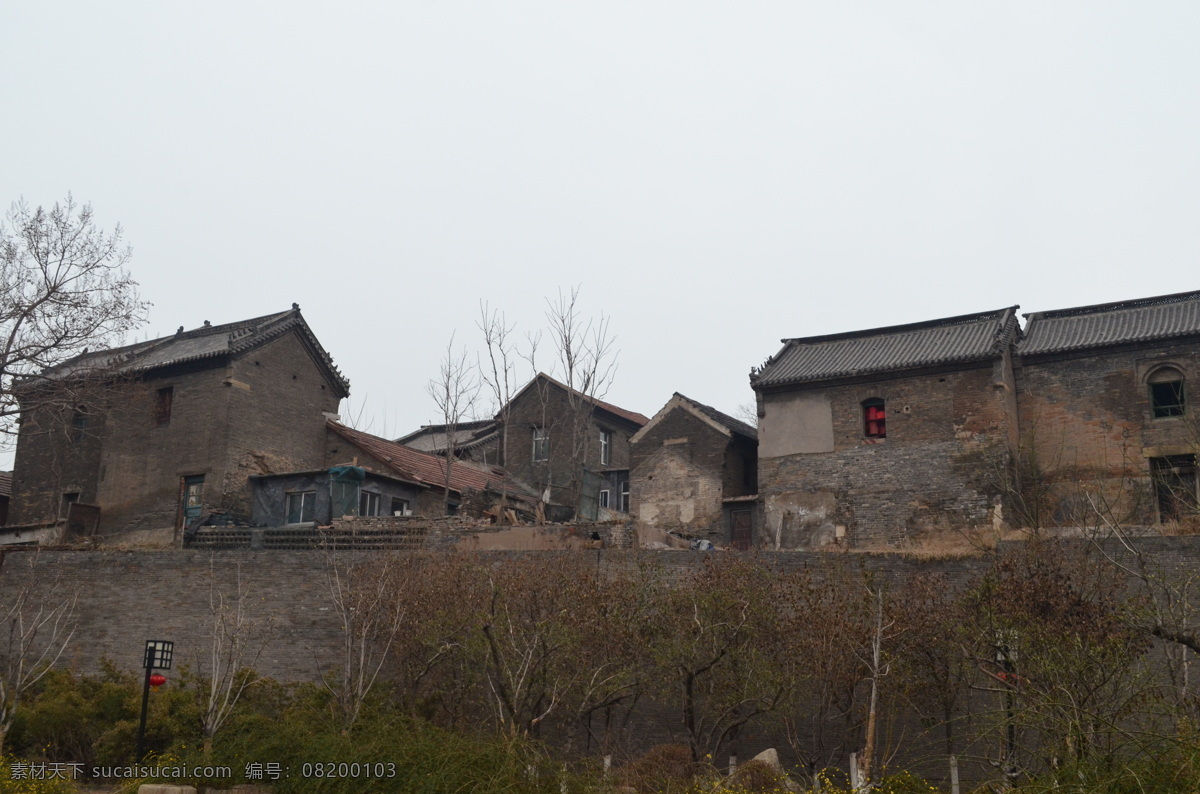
{"type": "Point", "coordinates": [953, 340]}
{"type": "Point", "coordinates": [736, 425]}
{"type": "Point", "coordinates": [1085, 327]}
{"type": "Point", "coordinates": [208, 341]}
{"type": "Point", "coordinates": [424, 467]}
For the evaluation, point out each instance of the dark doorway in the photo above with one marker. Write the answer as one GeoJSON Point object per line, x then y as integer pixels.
{"type": "Point", "coordinates": [741, 529]}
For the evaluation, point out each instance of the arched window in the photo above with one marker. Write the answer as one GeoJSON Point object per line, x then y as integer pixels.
{"type": "Point", "coordinates": [1166, 392]}
{"type": "Point", "coordinates": [874, 418]}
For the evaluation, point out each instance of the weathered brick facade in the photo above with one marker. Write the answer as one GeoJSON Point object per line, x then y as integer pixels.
{"type": "Point", "coordinates": [569, 426]}
{"type": "Point", "coordinates": [685, 463]}
{"type": "Point", "coordinates": [1089, 432]}
{"type": "Point", "coordinates": [1085, 417]}
{"type": "Point", "coordinates": [937, 467]}
{"type": "Point", "coordinates": [937, 458]}
{"type": "Point", "coordinates": [252, 401]}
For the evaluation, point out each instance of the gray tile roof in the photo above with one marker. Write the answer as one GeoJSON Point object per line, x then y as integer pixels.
{"type": "Point", "coordinates": [1086, 327]}
{"type": "Point", "coordinates": [736, 425]}
{"type": "Point", "coordinates": [208, 341]}
{"type": "Point", "coordinates": [953, 340]}
{"type": "Point", "coordinates": [436, 438]}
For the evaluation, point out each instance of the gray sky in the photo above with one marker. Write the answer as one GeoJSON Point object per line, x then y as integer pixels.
{"type": "Point", "coordinates": [715, 176]}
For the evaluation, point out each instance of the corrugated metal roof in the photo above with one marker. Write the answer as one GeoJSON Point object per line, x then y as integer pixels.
{"type": "Point", "coordinates": [424, 467]}
{"type": "Point", "coordinates": [5, 483]}
{"type": "Point", "coordinates": [1085, 327]}
{"type": "Point", "coordinates": [209, 341]}
{"type": "Point", "coordinates": [953, 340]}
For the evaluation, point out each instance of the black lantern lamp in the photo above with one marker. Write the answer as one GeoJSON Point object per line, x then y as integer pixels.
{"type": "Point", "coordinates": [158, 656]}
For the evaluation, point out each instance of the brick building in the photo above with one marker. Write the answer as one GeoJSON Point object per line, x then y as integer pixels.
{"type": "Point", "coordinates": [880, 435]}
{"type": "Point", "coordinates": [175, 427]}
{"type": "Point", "coordinates": [571, 447]}
{"type": "Point", "coordinates": [1108, 422]}
{"type": "Point", "coordinates": [1081, 419]}
{"type": "Point", "coordinates": [477, 441]}
{"type": "Point", "coordinates": [692, 467]}
{"type": "Point", "coordinates": [425, 471]}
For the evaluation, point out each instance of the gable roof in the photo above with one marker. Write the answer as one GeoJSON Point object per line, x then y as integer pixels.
{"type": "Point", "coordinates": [425, 467]}
{"type": "Point", "coordinates": [721, 422]}
{"type": "Point", "coordinates": [435, 438]}
{"type": "Point", "coordinates": [630, 416]}
{"type": "Point", "coordinates": [206, 342]}
{"type": "Point", "coordinates": [1086, 327]}
{"type": "Point", "coordinates": [952, 340]}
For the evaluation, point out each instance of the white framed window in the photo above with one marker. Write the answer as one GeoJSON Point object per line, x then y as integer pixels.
{"type": "Point", "coordinates": [1166, 392]}
{"type": "Point", "coordinates": [605, 449]}
{"type": "Point", "coordinates": [400, 507]}
{"type": "Point", "coordinates": [604, 498]}
{"type": "Point", "coordinates": [300, 506]}
{"type": "Point", "coordinates": [368, 504]}
{"type": "Point", "coordinates": [541, 444]}
{"type": "Point", "coordinates": [624, 496]}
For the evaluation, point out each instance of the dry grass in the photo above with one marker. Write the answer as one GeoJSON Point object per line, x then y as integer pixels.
{"type": "Point", "coordinates": [943, 544]}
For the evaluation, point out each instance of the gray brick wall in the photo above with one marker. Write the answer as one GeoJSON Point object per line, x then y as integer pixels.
{"type": "Point", "coordinates": [254, 415]}
{"type": "Point", "coordinates": [1087, 418]}
{"type": "Point", "coordinates": [682, 469]}
{"type": "Point", "coordinates": [947, 442]}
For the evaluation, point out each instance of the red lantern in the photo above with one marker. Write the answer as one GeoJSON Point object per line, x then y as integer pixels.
{"type": "Point", "coordinates": [157, 680]}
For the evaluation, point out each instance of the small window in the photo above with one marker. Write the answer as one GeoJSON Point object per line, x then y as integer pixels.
{"type": "Point", "coordinates": [874, 418]}
{"type": "Point", "coordinates": [193, 492]}
{"type": "Point", "coordinates": [400, 507]}
{"type": "Point", "coordinates": [1166, 392]}
{"type": "Point", "coordinates": [541, 444]}
{"type": "Point", "coordinates": [162, 406]}
{"type": "Point", "coordinates": [624, 506]}
{"type": "Point", "coordinates": [79, 421]}
{"type": "Point", "coordinates": [605, 449]}
{"type": "Point", "coordinates": [368, 504]}
{"type": "Point", "coordinates": [604, 498]}
{"type": "Point", "coordinates": [300, 507]}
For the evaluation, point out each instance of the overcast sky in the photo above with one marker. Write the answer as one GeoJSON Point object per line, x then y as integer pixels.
{"type": "Point", "coordinates": [714, 176]}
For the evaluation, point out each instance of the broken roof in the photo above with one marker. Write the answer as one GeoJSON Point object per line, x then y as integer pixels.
{"type": "Point", "coordinates": [428, 468]}
{"type": "Point", "coordinates": [631, 416]}
{"type": "Point", "coordinates": [1086, 327]}
{"type": "Point", "coordinates": [725, 422]}
{"type": "Point", "coordinates": [206, 342]}
{"type": "Point", "coordinates": [952, 340]}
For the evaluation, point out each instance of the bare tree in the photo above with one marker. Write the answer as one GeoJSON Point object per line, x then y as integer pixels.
{"type": "Point", "coordinates": [587, 364]}
{"type": "Point", "coordinates": [237, 642]}
{"type": "Point", "coordinates": [717, 645]}
{"type": "Point", "coordinates": [748, 413]}
{"type": "Point", "coordinates": [361, 595]}
{"type": "Point", "coordinates": [499, 373]}
{"type": "Point", "coordinates": [877, 668]}
{"type": "Point", "coordinates": [63, 288]}
{"type": "Point", "coordinates": [38, 624]}
{"type": "Point", "coordinates": [454, 392]}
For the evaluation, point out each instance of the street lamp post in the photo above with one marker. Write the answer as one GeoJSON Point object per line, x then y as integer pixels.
{"type": "Point", "coordinates": [158, 656]}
